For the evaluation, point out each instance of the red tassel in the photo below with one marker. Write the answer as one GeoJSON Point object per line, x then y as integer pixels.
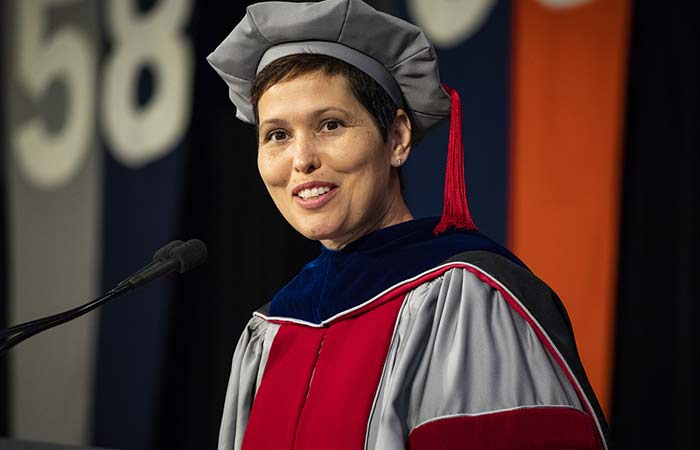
{"type": "Point", "coordinates": [455, 212]}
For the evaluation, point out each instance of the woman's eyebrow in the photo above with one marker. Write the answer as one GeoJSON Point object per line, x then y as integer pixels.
{"type": "Point", "coordinates": [272, 120]}
{"type": "Point", "coordinates": [330, 108]}
{"type": "Point", "coordinates": [316, 113]}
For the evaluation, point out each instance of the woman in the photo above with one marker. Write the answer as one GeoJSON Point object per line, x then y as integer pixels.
{"type": "Point", "coordinates": [403, 332]}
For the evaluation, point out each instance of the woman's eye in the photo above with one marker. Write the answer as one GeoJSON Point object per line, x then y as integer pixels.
{"type": "Point", "coordinates": [277, 135]}
{"type": "Point", "coordinates": [331, 125]}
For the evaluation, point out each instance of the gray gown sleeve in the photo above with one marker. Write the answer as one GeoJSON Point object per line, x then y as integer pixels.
{"type": "Point", "coordinates": [247, 368]}
{"type": "Point", "coordinates": [460, 349]}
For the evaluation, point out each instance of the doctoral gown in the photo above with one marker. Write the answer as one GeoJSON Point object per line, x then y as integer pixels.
{"type": "Point", "coordinates": [405, 340]}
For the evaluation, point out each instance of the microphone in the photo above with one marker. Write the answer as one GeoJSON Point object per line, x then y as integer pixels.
{"type": "Point", "coordinates": [175, 256]}
{"type": "Point", "coordinates": [161, 254]}
{"type": "Point", "coordinates": [181, 258]}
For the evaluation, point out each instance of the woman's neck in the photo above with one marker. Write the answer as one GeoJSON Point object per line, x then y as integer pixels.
{"type": "Point", "coordinates": [397, 213]}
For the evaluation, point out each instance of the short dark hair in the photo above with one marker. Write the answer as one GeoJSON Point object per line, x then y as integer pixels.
{"type": "Point", "coordinates": [367, 91]}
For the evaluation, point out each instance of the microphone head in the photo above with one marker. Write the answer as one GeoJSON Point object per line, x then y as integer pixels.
{"type": "Point", "coordinates": [164, 252]}
{"type": "Point", "coordinates": [189, 255]}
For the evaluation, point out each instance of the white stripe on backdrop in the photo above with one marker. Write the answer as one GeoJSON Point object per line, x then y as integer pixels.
{"type": "Point", "coordinates": [54, 181]}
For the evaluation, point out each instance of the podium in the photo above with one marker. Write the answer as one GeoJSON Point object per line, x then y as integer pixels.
{"type": "Point", "coordinates": [11, 444]}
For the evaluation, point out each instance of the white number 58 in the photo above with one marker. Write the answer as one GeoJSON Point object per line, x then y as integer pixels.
{"type": "Point", "coordinates": [136, 134]}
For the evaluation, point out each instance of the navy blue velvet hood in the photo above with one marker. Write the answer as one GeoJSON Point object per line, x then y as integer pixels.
{"type": "Point", "coordinates": [339, 280]}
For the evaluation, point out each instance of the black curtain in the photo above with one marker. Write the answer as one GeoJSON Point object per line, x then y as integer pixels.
{"type": "Point", "coordinates": [253, 252]}
{"type": "Point", "coordinates": [655, 391]}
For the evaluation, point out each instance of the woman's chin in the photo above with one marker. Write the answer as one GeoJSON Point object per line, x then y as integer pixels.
{"type": "Point", "coordinates": [318, 232]}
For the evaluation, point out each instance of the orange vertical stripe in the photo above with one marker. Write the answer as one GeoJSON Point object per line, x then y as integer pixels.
{"type": "Point", "coordinates": [567, 128]}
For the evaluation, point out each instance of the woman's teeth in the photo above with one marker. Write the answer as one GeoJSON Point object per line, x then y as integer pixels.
{"type": "Point", "coordinates": [315, 192]}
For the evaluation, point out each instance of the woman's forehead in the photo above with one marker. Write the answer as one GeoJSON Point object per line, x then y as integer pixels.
{"type": "Point", "coordinates": [309, 80]}
{"type": "Point", "coordinates": [307, 94]}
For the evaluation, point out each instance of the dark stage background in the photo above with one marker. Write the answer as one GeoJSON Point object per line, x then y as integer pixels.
{"type": "Point", "coordinates": [580, 124]}
{"type": "Point", "coordinates": [657, 352]}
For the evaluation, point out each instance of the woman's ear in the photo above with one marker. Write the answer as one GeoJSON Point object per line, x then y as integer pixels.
{"type": "Point", "coordinates": [400, 138]}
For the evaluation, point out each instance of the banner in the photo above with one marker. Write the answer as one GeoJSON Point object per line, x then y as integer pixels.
{"type": "Point", "coordinates": [53, 176]}
{"type": "Point", "coordinates": [567, 126]}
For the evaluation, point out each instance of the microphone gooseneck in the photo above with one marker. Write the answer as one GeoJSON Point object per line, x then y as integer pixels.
{"type": "Point", "coordinates": [175, 256]}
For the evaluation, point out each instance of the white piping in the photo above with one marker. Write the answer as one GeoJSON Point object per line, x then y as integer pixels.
{"type": "Point", "coordinates": [354, 308]}
{"type": "Point", "coordinates": [384, 369]}
{"type": "Point", "coordinates": [496, 411]}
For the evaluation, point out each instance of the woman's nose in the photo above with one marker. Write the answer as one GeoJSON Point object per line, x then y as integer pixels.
{"type": "Point", "coordinates": [306, 155]}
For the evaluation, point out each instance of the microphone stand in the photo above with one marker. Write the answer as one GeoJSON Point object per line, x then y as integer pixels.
{"type": "Point", "coordinates": [29, 329]}
{"type": "Point", "coordinates": [175, 256]}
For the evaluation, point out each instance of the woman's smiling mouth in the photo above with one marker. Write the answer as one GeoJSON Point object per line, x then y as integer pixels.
{"type": "Point", "coordinates": [314, 192]}
{"type": "Point", "coordinates": [315, 197]}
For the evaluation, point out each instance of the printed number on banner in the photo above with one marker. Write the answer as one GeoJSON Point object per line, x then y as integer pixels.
{"type": "Point", "coordinates": [138, 134]}
{"type": "Point", "coordinates": [50, 158]}
{"type": "Point", "coordinates": [65, 56]}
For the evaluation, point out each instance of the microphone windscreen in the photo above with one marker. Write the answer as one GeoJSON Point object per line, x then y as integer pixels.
{"type": "Point", "coordinates": [190, 254]}
{"type": "Point", "coordinates": [164, 252]}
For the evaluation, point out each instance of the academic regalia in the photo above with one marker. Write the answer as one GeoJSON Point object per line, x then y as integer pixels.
{"type": "Point", "coordinates": [422, 335]}
{"type": "Point", "coordinates": [408, 340]}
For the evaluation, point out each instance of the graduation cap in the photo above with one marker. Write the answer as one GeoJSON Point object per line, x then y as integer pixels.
{"type": "Point", "coordinates": [393, 52]}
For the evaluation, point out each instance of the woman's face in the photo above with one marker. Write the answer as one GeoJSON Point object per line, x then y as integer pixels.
{"type": "Point", "coordinates": [323, 160]}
